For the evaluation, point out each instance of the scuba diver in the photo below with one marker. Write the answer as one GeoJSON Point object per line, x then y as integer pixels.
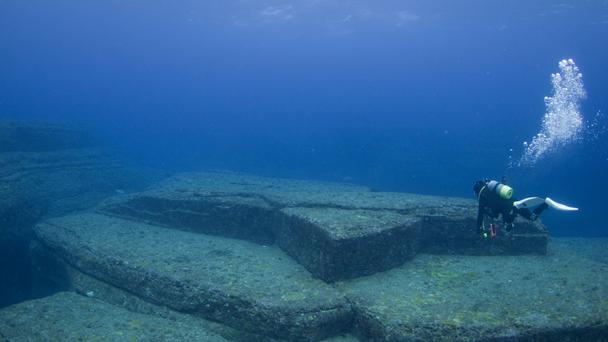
{"type": "Point", "coordinates": [496, 199]}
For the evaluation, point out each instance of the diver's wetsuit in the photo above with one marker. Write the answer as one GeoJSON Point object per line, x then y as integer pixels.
{"type": "Point", "coordinates": [491, 204]}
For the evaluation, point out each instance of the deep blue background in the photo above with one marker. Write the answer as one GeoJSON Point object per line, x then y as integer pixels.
{"type": "Point", "coordinates": [398, 95]}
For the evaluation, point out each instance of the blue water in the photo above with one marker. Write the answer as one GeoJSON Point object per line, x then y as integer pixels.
{"type": "Point", "coordinates": [398, 95]}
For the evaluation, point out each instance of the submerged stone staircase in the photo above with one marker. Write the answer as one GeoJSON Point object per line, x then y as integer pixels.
{"type": "Point", "coordinates": [336, 231]}
{"type": "Point", "coordinates": [272, 259]}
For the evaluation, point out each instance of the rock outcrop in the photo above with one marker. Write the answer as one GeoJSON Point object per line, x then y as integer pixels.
{"type": "Point", "coordinates": [48, 170]}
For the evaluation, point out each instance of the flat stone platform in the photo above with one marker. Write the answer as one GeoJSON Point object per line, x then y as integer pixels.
{"type": "Point", "coordinates": [67, 316]}
{"type": "Point", "coordinates": [245, 285]}
{"type": "Point", "coordinates": [336, 231]}
{"type": "Point", "coordinates": [562, 296]}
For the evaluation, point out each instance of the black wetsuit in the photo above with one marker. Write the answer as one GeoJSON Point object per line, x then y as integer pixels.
{"type": "Point", "coordinates": [491, 204]}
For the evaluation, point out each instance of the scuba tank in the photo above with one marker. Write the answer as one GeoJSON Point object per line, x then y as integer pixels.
{"type": "Point", "coordinates": [502, 190]}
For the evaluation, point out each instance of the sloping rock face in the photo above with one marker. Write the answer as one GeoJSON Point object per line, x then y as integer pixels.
{"type": "Point", "coordinates": [36, 184]}
{"type": "Point", "coordinates": [50, 169]}
{"type": "Point", "coordinates": [336, 231]}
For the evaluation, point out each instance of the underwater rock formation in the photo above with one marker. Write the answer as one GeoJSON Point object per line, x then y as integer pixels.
{"type": "Point", "coordinates": [269, 273]}
{"type": "Point", "coordinates": [336, 231]}
{"type": "Point", "coordinates": [48, 170]}
{"type": "Point", "coordinates": [259, 290]}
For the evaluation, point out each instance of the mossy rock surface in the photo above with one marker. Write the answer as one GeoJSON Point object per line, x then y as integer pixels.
{"type": "Point", "coordinates": [561, 295]}
{"type": "Point", "coordinates": [67, 316]}
{"type": "Point", "coordinates": [249, 286]}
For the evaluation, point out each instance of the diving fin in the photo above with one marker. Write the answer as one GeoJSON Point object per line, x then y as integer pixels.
{"type": "Point", "coordinates": [559, 206]}
{"type": "Point", "coordinates": [532, 202]}
{"type": "Point", "coordinates": [529, 202]}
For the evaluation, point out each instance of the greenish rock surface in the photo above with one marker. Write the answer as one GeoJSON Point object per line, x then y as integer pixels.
{"type": "Point", "coordinates": [49, 268]}
{"type": "Point", "coordinates": [351, 243]}
{"type": "Point", "coordinates": [248, 286]}
{"type": "Point", "coordinates": [560, 296]}
{"type": "Point", "coordinates": [336, 231]}
{"type": "Point", "coordinates": [67, 316]}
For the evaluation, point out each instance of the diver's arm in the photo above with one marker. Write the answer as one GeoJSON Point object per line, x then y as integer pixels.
{"type": "Point", "coordinates": [480, 213]}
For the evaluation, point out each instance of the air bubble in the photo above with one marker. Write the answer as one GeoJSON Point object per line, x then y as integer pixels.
{"type": "Point", "coordinates": [563, 121]}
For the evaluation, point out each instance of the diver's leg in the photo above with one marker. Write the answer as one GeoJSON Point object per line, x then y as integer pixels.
{"type": "Point", "coordinates": [525, 213]}
{"type": "Point", "coordinates": [509, 218]}
{"type": "Point", "coordinates": [532, 215]}
{"type": "Point", "coordinates": [536, 213]}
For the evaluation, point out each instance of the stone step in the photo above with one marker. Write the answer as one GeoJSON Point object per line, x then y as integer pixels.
{"type": "Point", "coordinates": [336, 231]}
{"type": "Point", "coordinates": [67, 316]}
{"type": "Point", "coordinates": [340, 244]}
{"type": "Point", "coordinates": [51, 271]}
{"type": "Point", "coordinates": [248, 286]}
{"type": "Point", "coordinates": [559, 296]}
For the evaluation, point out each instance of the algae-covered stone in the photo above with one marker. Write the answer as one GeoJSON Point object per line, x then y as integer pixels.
{"type": "Point", "coordinates": [246, 285]}
{"type": "Point", "coordinates": [67, 316]}
{"type": "Point", "coordinates": [51, 269]}
{"type": "Point", "coordinates": [340, 243]}
{"type": "Point", "coordinates": [447, 298]}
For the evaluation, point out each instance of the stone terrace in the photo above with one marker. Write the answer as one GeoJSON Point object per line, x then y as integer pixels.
{"type": "Point", "coordinates": [336, 231]}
